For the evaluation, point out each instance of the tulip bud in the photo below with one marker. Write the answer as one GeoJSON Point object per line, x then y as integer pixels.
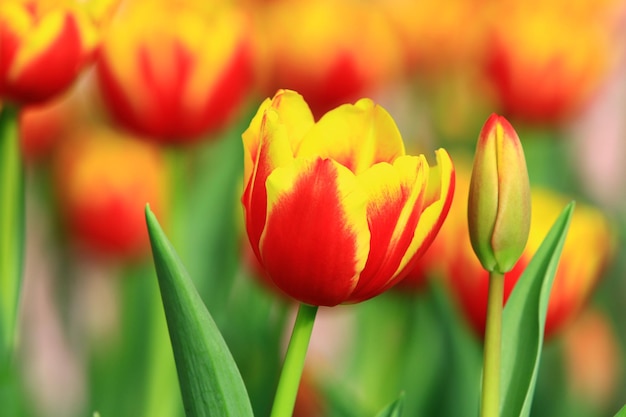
{"type": "Point", "coordinates": [499, 197]}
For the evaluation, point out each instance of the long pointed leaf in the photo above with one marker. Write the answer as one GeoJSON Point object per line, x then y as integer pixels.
{"type": "Point", "coordinates": [209, 380]}
{"type": "Point", "coordinates": [394, 409]}
{"type": "Point", "coordinates": [622, 412]}
{"type": "Point", "coordinates": [523, 321]}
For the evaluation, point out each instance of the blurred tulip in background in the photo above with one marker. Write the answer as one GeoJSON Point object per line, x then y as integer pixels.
{"type": "Point", "coordinates": [44, 48]}
{"type": "Point", "coordinates": [331, 52]}
{"type": "Point", "coordinates": [43, 126]}
{"type": "Point", "coordinates": [546, 62]}
{"type": "Point", "coordinates": [592, 359]}
{"type": "Point", "coordinates": [436, 39]}
{"type": "Point", "coordinates": [175, 71]}
{"type": "Point", "coordinates": [103, 180]}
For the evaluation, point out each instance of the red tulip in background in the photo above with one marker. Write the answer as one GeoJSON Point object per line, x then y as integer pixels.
{"type": "Point", "coordinates": [174, 73]}
{"type": "Point", "coordinates": [43, 126]}
{"type": "Point", "coordinates": [103, 181]}
{"type": "Point", "coordinates": [44, 48]}
{"type": "Point", "coordinates": [546, 62]}
{"type": "Point", "coordinates": [331, 52]}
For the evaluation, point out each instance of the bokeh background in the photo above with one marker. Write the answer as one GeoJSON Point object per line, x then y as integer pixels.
{"type": "Point", "coordinates": [156, 117]}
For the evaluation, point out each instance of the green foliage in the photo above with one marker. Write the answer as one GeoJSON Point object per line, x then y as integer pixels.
{"type": "Point", "coordinates": [394, 409]}
{"type": "Point", "coordinates": [622, 412]}
{"type": "Point", "coordinates": [209, 379]}
{"type": "Point", "coordinates": [12, 211]}
{"type": "Point", "coordinates": [524, 320]}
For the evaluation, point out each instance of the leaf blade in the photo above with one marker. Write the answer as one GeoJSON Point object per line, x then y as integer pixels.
{"type": "Point", "coordinates": [524, 321]}
{"type": "Point", "coordinates": [394, 409]}
{"type": "Point", "coordinates": [621, 412]}
{"type": "Point", "coordinates": [209, 380]}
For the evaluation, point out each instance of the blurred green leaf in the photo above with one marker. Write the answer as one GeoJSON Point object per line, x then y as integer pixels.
{"type": "Point", "coordinates": [523, 321]}
{"type": "Point", "coordinates": [11, 229]}
{"type": "Point", "coordinates": [394, 409]}
{"type": "Point", "coordinates": [212, 226]}
{"type": "Point", "coordinates": [622, 412]}
{"type": "Point", "coordinates": [209, 380]}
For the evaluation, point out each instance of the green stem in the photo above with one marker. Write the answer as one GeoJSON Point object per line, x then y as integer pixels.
{"type": "Point", "coordinates": [289, 381]}
{"type": "Point", "coordinates": [11, 227]}
{"type": "Point", "coordinates": [490, 404]}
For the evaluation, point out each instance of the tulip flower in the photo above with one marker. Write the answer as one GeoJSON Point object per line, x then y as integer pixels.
{"type": "Point", "coordinates": [103, 181]}
{"type": "Point", "coordinates": [435, 39]}
{"type": "Point", "coordinates": [499, 197]}
{"type": "Point", "coordinates": [173, 73]}
{"type": "Point", "coordinates": [593, 359]}
{"type": "Point", "coordinates": [588, 248]}
{"type": "Point", "coordinates": [43, 126]}
{"type": "Point", "coordinates": [43, 49]}
{"type": "Point", "coordinates": [335, 211]}
{"type": "Point", "coordinates": [325, 50]}
{"type": "Point", "coordinates": [535, 73]}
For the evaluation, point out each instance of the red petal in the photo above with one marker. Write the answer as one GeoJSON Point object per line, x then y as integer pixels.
{"type": "Point", "coordinates": [315, 239]}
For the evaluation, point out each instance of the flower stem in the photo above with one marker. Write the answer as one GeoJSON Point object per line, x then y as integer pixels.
{"type": "Point", "coordinates": [289, 381]}
{"type": "Point", "coordinates": [11, 227]}
{"type": "Point", "coordinates": [490, 404]}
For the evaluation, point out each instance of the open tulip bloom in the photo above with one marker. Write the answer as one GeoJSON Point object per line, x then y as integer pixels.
{"type": "Point", "coordinates": [335, 210]}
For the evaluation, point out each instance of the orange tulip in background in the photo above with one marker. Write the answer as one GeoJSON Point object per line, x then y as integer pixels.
{"type": "Point", "coordinates": [435, 39]}
{"type": "Point", "coordinates": [172, 72]}
{"type": "Point", "coordinates": [546, 61]}
{"type": "Point", "coordinates": [592, 359]}
{"type": "Point", "coordinates": [103, 181]}
{"type": "Point", "coordinates": [43, 126]}
{"type": "Point", "coordinates": [332, 52]}
{"type": "Point", "coordinates": [587, 250]}
{"type": "Point", "coordinates": [335, 211]}
{"type": "Point", "coordinates": [44, 48]}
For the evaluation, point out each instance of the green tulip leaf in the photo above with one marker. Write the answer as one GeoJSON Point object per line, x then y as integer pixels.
{"type": "Point", "coordinates": [622, 412]}
{"type": "Point", "coordinates": [209, 380]}
{"type": "Point", "coordinates": [523, 321]}
{"type": "Point", "coordinates": [11, 229]}
{"type": "Point", "coordinates": [394, 409]}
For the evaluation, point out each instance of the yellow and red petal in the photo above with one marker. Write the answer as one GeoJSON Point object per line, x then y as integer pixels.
{"type": "Point", "coordinates": [274, 151]}
{"type": "Point", "coordinates": [251, 138]}
{"type": "Point", "coordinates": [294, 114]}
{"type": "Point", "coordinates": [406, 212]}
{"type": "Point", "coordinates": [316, 237]}
{"type": "Point", "coordinates": [395, 200]}
{"type": "Point", "coordinates": [357, 136]}
{"type": "Point", "coordinates": [437, 202]}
